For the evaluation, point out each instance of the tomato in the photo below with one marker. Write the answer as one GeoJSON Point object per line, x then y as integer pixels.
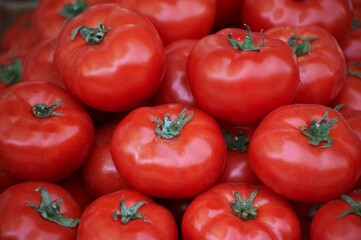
{"type": "Point", "coordinates": [22, 216]}
{"type": "Point", "coordinates": [174, 87]}
{"type": "Point", "coordinates": [306, 153]}
{"type": "Point", "coordinates": [106, 218]}
{"type": "Point", "coordinates": [174, 19]}
{"type": "Point", "coordinates": [238, 167]}
{"type": "Point", "coordinates": [333, 15]}
{"type": "Point", "coordinates": [119, 73]}
{"type": "Point", "coordinates": [352, 45]}
{"type": "Point", "coordinates": [338, 219]}
{"type": "Point", "coordinates": [50, 16]}
{"type": "Point", "coordinates": [169, 151]}
{"type": "Point", "coordinates": [38, 65]}
{"type": "Point", "coordinates": [99, 172]}
{"type": "Point", "coordinates": [227, 14]}
{"type": "Point", "coordinates": [7, 180]}
{"type": "Point", "coordinates": [49, 144]}
{"type": "Point", "coordinates": [19, 37]}
{"type": "Point", "coordinates": [353, 118]}
{"type": "Point", "coordinates": [240, 211]}
{"type": "Point", "coordinates": [320, 59]}
{"type": "Point", "coordinates": [226, 81]}
{"type": "Point", "coordinates": [356, 3]}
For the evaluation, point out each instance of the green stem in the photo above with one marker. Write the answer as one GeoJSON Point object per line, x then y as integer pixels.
{"type": "Point", "coordinates": [169, 129]}
{"type": "Point", "coordinates": [353, 73]}
{"type": "Point", "coordinates": [318, 132]}
{"type": "Point", "coordinates": [72, 10]}
{"type": "Point", "coordinates": [92, 36]}
{"type": "Point", "coordinates": [237, 143]}
{"type": "Point", "coordinates": [247, 44]}
{"type": "Point", "coordinates": [129, 214]}
{"type": "Point", "coordinates": [303, 47]}
{"type": "Point", "coordinates": [11, 73]}
{"type": "Point", "coordinates": [356, 23]}
{"type": "Point", "coordinates": [355, 205]}
{"type": "Point", "coordinates": [51, 210]}
{"type": "Point", "coordinates": [244, 209]}
{"type": "Point", "coordinates": [44, 111]}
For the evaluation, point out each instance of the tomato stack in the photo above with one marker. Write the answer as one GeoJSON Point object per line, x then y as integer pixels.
{"type": "Point", "coordinates": [183, 119]}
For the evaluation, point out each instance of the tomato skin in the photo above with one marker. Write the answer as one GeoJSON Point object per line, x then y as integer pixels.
{"type": "Point", "coordinates": [51, 148]}
{"type": "Point", "coordinates": [352, 45]}
{"type": "Point", "coordinates": [227, 14]}
{"type": "Point", "coordinates": [210, 215]}
{"type": "Point", "coordinates": [19, 221]}
{"type": "Point", "coordinates": [165, 167]}
{"type": "Point", "coordinates": [326, 225]}
{"type": "Point", "coordinates": [287, 163]}
{"type": "Point", "coordinates": [97, 222]}
{"type": "Point", "coordinates": [7, 180]}
{"type": "Point", "coordinates": [322, 69]}
{"type": "Point", "coordinates": [174, 87]}
{"type": "Point", "coordinates": [121, 72]}
{"type": "Point", "coordinates": [99, 172]}
{"type": "Point", "coordinates": [266, 14]}
{"type": "Point", "coordinates": [353, 118]}
{"type": "Point", "coordinates": [217, 74]}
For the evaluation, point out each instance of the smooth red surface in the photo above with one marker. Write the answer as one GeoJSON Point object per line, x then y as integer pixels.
{"type": "Point", "coordinates": [352, 45]}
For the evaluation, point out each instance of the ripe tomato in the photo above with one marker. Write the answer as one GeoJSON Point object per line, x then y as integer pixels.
{"type": "Point", "coordinates": [306, 153]}
{"type": "Point", "coordinates": [34, 146]}
{"type": "Point", "coordinates": [240, 211]}
{"type": "Point", "coordinates": [106, 218]}
{"type": "Point", "coordinates": [335, 219]}
{"type": "Point", "coordinates": [38, 211]}
{"type": "Point", "coordinates": [99, 172]}
{"type": "Point", "coordinates": [227, 82]}
{"type": "Point", "coordinates": [352, 45]}
{"type": "Point", "coordinates": [7, 180]}
{"type": "Point", "coordinates": [333, 15]}
{"type": "Point", "coordinates": [174, 87]}
{"type": "Point", "coordinates": [169, 160]}
{"type": "Point", "coordinates": [120, 72]}
{"type": "Point", "coordinates": [353, 118]}
{"type": "Point", "coordinates": [320, 59]}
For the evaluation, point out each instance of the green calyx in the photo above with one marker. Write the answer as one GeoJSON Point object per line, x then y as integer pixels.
{"type": "Point", "coordinates": [92, 36]}
{"type": "Point", "coordinates": [247, 44]}
{"type": "Point", "coordinates": [168, 129]}
{"type": "Point", "coordinates": [44, 111]}
{"type": "Point", "coordinates": [51, 210]}
{"type": "Point", "coordinates": [72, 10]}
{"type": "Point", "coordinates": [356, 206]}
{"type": "Point", "coordinates": [11, 73]}
{"type": "Point", "coordinates": [237, 143]}
{"type": "Point", "coordinates": [303, 47]}
{"type": "Point", "coordinates": [129, 214]}
{"type": "Point", "coordinates": [318, 132]}
{"type": "Point", "coordinates": [356, 23]}
{"type": "Point", "coordinates": [244, 209]}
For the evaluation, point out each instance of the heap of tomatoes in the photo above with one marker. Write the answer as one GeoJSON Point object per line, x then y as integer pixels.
{"type": "Point", "coordinates": [183, 119]}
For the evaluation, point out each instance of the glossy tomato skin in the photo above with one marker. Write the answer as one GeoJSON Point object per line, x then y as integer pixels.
{"type": "Point", "coordinates": [99, 172]}
{"type": "Point", "coordinates": [97, 221]}
{"type": "Point", "coordinates": [287, 163]}
{"type": "Point", "coordinates": [326, 225]}
{"type": "Point", "coordinates": [174, 19]}
{"type": "Point", "coordinates": [353, 118]}
{"type": "Point", "coordinates": [174, 87]}
{"type": "Point", "coordinates": [179, 167]}
{"type": "Point", "coordinates": [210, 215]}
{"type": "Point", "coordinates": [266, 14]}
{"type": "Point", "coordinates": [352, 45]}
{"type": "Point", "coordinates": [50, 148]}
{"type": "Point", "coordinates": [228, 84]}
{"type": "Point", "coordinates": [322, 69]}
{"type": "Point", "coordinates": [122, 71]}
{"type": "Point", "coordinates": [19, 221]}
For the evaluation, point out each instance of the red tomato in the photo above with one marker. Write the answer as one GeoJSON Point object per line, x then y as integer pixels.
{"type": "Point", "coordinates": [320, 59]}
{"type": "Point", "coordinates": [22, 217]}
{"type": "Point", "coordinates": [306, 153]}
{"type": "Point", "coordinates": [333, 15]}
{"type": "Point", "coordinates": [227, 82]}
{"type": "Point", "coordinates": [38, 65]}
{"type": "Point", "coordinates": [19, 37]}
{"type": "Point", "coordinates": [334, 220]}
{"type": "Point", "coordinates": [227, 14]}
{"type": "Point", "coordinates": [356, 3]}
{"type": "Point", "coordinates": [352, 45]}
{"type": "Point", "coordinates": [169, 160]}
{"type": "Point", "coordinates": [174, 87]}
{"type": "Point", "coordinates": [353, 118]}
{"type": "Point", "coordinates": [238, 168]}
{"type": "Point", "coordinates": [7, 180]}
{"type": "Point", "coordinates": [50, 16]}
{"type": "Point", "coordinates": [39, 147]}
{"type": "Point", "coordinates": [240, 211]}
{"type": "Point", "coordinates": [106, 218]}
{"type": "Point", "coordinates": [120, 72]}
{"type": "Point", "coordinates": [174, 19]}
{"type": "Point", "coordinates": [99, 172]}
